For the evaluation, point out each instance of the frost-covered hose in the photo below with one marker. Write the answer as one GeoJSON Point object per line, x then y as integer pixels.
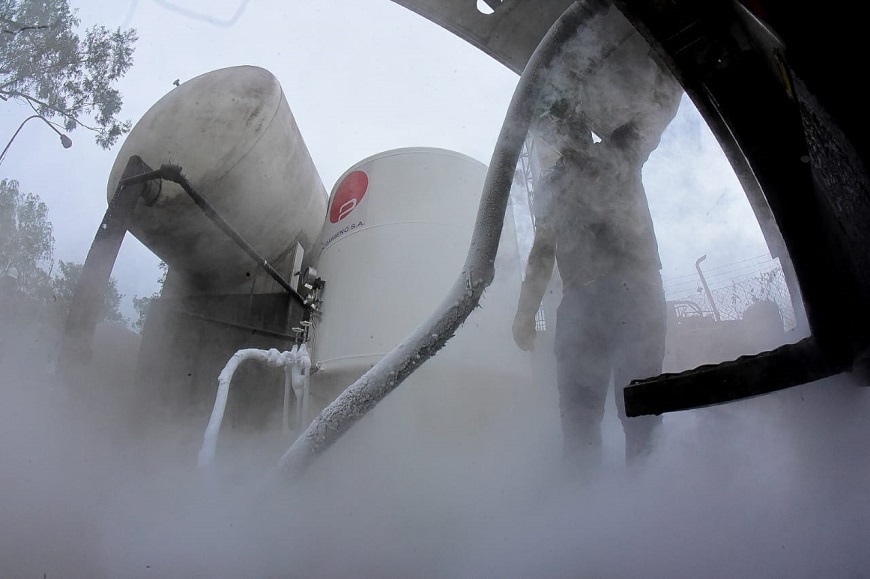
{"type": "Point", "coordinates": [270, 357]}
{"type": "Point", "coordinates": [476, 275]}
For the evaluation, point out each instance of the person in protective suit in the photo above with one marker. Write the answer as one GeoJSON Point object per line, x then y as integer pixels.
{"type": "Point", "coordinates": [592, 219]}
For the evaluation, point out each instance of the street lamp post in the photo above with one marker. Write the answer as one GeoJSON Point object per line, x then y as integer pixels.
{"type": "Point", "coordinates": [64, 139]}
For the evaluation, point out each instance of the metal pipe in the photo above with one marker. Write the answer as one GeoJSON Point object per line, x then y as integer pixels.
{"type": "Point", "coordinates": [84, 312]}
{"type": "Point", "coordinates": [141, 178]}
{"type": "Point", "coordinates": [707, 288]}
{"type": "Point", "coordinates": [269, 357]}
{"type": "Point", "coordinates": [299, 380]}
{"type": "Point", "coordinates": [476, 274]}
{"type": "Point", "coordinates": [304, 360]}
{"type": "Point", "coordinates": [288, 386]}
{"type": "Point", "coordinates": [173, 173]}
{"type": "Point", "coordinates": [252, 329]}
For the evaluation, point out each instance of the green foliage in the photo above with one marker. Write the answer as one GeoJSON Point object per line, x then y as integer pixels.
{"type": "Point", "coordinates": [64, 283]}
{"type": "Point", "coordinates": [61, 75]}
{"type": "Point", "coordinates": [27, 244]}
{"type": "Point", "coordinates": [26, 240]}
{"type": "Point", "coordinates": [141, 304]}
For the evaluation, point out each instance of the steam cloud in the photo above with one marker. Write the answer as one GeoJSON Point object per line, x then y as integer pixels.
{"type": "Point", "coordinates": [774, 486]}
{"type": "Point", "coordinates": [463, 480]}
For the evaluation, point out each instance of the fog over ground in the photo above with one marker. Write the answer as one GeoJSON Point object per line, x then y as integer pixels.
{"type": "Point", "coordinates": [96, 483]}
{"type": "Point", "coordinates": [450, 480]}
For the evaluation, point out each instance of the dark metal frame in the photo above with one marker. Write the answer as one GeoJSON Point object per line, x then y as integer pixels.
{"type": "Point", "coordinates": [135, 183]}
{"type": "Point", "coordinates": [798, 167]}
{"type": "Point", "coordinates": [775, 80]}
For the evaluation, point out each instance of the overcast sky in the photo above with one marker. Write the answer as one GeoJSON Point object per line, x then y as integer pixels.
{"type": "Point", "coordinates": [360, 78]}
{"type": "Point", "coordinates": [463, 485]}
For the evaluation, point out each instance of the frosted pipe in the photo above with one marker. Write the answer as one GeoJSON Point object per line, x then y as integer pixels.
{"type": "Point", "coordinates": [288, 384]}
{"type": "Point", "coordinates": [299, 389]}
{"type": "Point", "coordinates": [477, 272]}
{"type": "Point", "coordinates": [305, 361]}
{"type": "Point", "coordinates": [270, 357]}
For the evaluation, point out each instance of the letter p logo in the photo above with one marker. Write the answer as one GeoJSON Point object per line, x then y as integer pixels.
{"type": "Point", "coordinates": [348, 196]}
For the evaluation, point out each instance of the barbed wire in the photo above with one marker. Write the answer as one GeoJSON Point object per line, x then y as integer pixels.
{"type": "Point", "coordinates": [694, 275]}
{"type": "Point", "coordinates": [723, 280]}
{"type": "Point", "coordinates": [738, 290]}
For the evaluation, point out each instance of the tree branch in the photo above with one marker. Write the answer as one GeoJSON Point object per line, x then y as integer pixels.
{"type": "Point", "coordinates": [31, 100]}
{"type": "Point", "coordinates": [26, 29]}
{"type": "Point", "coordinates": [61, 64]}
{"type": "Point", "coordinates": [23, 27]}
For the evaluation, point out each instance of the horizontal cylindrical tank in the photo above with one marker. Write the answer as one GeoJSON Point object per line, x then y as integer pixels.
{"type": "Point", "coordinates": [394, 242]}
{"type": "Point", "coordinates": [232, 132]}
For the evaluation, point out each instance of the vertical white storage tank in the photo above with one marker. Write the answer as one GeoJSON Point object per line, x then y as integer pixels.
{"type": "Point", "coordinates": [396, 236]}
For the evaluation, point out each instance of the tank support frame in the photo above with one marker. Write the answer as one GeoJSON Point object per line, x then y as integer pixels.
{"type": "Point", "coordinates": [136, 182]}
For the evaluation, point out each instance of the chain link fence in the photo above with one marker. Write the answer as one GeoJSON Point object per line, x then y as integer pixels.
{"type": "Point", "coordinates": [731, 289]}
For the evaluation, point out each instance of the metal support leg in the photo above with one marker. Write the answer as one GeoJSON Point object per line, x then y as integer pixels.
{"type": "Point", "coordinates": [87, 303]}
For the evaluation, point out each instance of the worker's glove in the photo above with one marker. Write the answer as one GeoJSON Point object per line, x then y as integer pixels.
{"type": "Point", "coordinates": [524, 332]}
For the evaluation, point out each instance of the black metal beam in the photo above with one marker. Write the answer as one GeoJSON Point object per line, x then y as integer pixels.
{"type": "Point", "coordinates": [90, 291]}
{"type": "Point", "coordinates": [174, 173]}
{"type": "Point", "coordinates": [746, 377]}
{"type": "Point", "coordinates": [763, 129]}
{"type": "Point", "coordinates": [91, 288]}
{"type": "Point", "coordinates": [252, 329]}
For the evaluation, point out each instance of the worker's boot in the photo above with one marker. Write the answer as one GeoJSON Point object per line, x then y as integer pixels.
{"type": "Point", "coordinates": [640, 436]}
{"type": "Point", "coordinates": [582, 453]}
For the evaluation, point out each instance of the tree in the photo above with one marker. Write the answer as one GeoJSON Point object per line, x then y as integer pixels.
{"type": "Point", "coordinates": [60, 75]}
{"type": "Point", "coordinates": [64, 283]}
{"type": "Point", "coordinates": [26, 237]}
{"type": "Point", "coordinates": [142, 304]}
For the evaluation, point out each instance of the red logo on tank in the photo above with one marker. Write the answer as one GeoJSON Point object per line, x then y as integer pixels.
{"type": "Point", "coordinates": [348, 196]}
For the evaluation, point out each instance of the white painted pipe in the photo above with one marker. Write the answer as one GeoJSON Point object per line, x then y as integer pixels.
{"type": "Point", "coordinates": [288, 384]}
{"type": "Point", "coordinates": [304, 363]}
{"type": "Point", "coordinates": [270, 357]}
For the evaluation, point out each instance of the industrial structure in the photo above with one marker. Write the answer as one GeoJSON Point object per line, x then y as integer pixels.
{"type": "Point", "coordinates": [761, 73]}
{"type": "Point", "coordinates": [217, 181]}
